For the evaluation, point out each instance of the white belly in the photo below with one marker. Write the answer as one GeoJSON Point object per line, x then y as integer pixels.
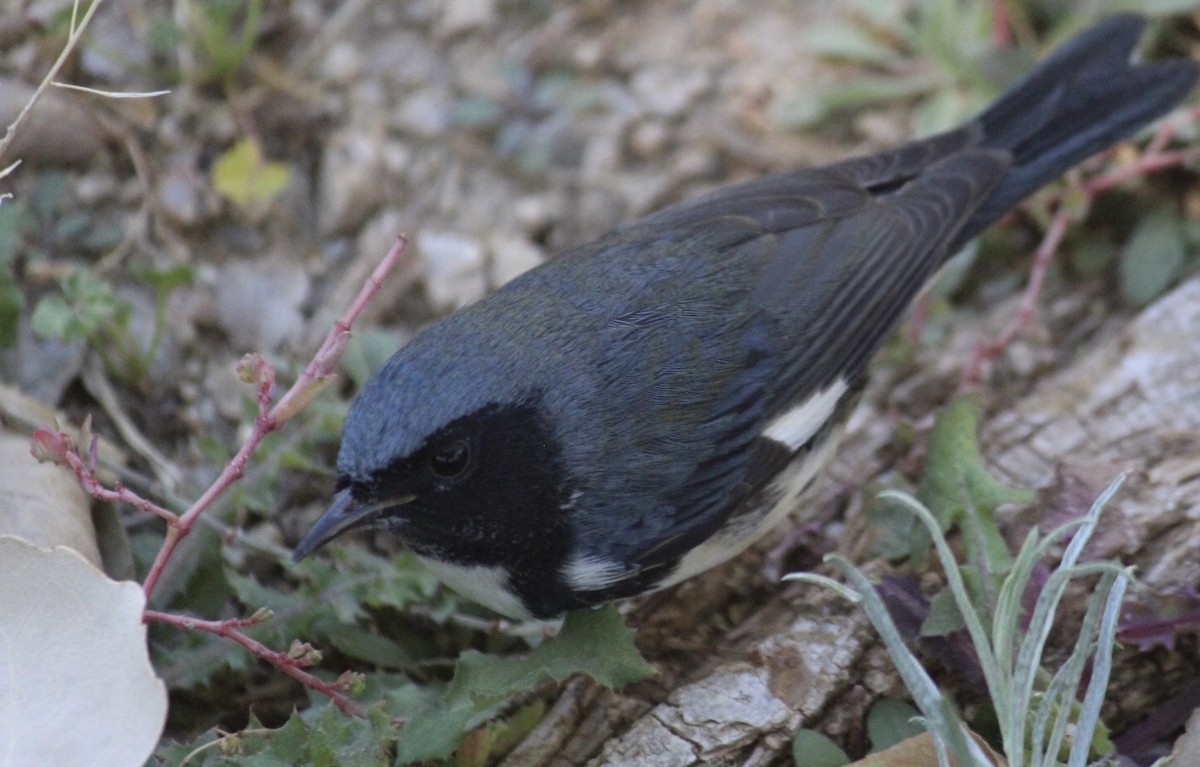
{"type": "Point", "coordinates": [780, 499]}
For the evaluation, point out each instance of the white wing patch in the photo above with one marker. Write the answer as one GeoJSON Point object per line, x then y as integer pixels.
{"type": "Point", "coordinates": [588, 573]}
{"type": "Point", "coordinates": [797, 426]}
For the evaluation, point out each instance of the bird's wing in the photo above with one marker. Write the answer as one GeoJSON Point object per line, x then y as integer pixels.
{"type": "Point", "coordinates": [834, 258]}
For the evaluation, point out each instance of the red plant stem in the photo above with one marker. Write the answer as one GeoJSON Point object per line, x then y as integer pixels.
{"type": "Point", "coordinates": [331, 349]}
{"type": "Point", "coordinates": [118, 494]}
{"type": "Point", "coordinates": [1147, 163]}
{"type": "Point", "coordinates": [1001, 24]}
{"type": "Point", "coordinates": [1042, 258]}
{"type": "Point", "coordinates": [280, 660]}
{"type": "Point", "coordinates": [267, 421]}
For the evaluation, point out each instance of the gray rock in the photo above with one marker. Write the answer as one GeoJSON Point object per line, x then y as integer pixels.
{"type": "Point", "coordinates": [350, 188]}
{"type": "Point", "coordinates": [667, 90]}
{"type": "Point", "coordinates": [425, 114]}
{"type": "Point", "coordinates": [460, 16]}
{"type": "Point", "coordinates": [258, 303]}
{"type": "Point", "coordinates": [454, 268]}
{"type": "Point", "coordinates": [512, 254]}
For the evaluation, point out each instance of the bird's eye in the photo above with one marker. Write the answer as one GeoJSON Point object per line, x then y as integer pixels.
{"type": "Point", "coordinates": [451, 461]}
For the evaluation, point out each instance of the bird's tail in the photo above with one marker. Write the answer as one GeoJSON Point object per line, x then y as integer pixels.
{"type": "Point", "coordinates": [1085, 97]}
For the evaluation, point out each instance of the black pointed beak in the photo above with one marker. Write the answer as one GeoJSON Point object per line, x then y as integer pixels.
{"type": "Point", "coordinates": [343, 514]}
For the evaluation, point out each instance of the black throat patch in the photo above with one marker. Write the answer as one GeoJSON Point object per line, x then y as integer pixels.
{"type": "Point", "coordinates": [510, 511]}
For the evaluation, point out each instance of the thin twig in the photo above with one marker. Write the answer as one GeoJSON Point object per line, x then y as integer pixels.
{"type": "Point", "coordinates": [315, 375]}
{"type": "Point", "coordinates": [53, 445]}
{"type": "Point", "coordinates": [1153, 158]}
{"type": "Point", "coordinates": [73, 40]}
{"type": "Point", "coordinates": [289, 663]}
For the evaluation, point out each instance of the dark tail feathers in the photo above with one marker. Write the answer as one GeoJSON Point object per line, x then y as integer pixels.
{"type": "Point", "coordinates": [1084, 98]}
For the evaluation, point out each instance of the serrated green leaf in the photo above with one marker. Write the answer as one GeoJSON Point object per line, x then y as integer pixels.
{"type": "Point", "coordinates": [1152, 258]}
{"type": "Point", "coordinates": [891, 721]}
{"type": "Point", "coordinates": [958, 488]}
{"type": "Point", "coordinates": [813, 749]}
{"type": "Point", "coordinates": [434, 733]}
{"type": "Point", "coordinates": [320, 736]}
{"type": "Point", "coordinates": [593, 642]}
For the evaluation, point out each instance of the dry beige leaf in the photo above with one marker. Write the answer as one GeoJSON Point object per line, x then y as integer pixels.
{"type": "Point", "coordinates": [76, 684]}
{"type": "Point", "coordinates": [42, 502]}
{"type": "Point", "coordinates": [919, 751]}
{"type": "Point", "coordinates": [1187, 747]}
{"type": "Point", "coordinates": [27, 413]}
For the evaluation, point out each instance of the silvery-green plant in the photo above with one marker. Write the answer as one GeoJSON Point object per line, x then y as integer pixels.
{"type": "Point", "coordinates": [1037, 710]}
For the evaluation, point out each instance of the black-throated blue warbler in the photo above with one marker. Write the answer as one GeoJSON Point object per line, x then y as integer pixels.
{"type": "Point", "coordinates": [644, 407]}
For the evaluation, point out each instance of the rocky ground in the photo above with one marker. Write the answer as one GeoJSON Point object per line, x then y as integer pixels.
{"type": "Point", "coordinates": [243, 210]}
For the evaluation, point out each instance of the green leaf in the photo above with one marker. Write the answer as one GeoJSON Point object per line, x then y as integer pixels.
{"type": "Point", "coordinates": [897, 534]}
{"type": "Point", "coordinates": [809, 107]}
{"type": "Point", "coordinates": [52, 318]}
{"type": "Point", "coordinates": [164, 279]}
{"type": "Point", "coordinates": [367, 351]}
{"type": "Point", "coordinates": [848, 41]}
{"type": "Point", "coordinates": [13, 220]}
{"type": "Point", "coordinates": [891, 721]}
{"type": "Point", "coordinates": [368, 646]}
{"type": "Point", "coordinates": [1093, 256]}
{"type": "Point", "coordinates": [487, 744]}
{"type": "Point", "coordinates": [86, 307]}
{"type": "Point", "coordinates": [49, 194]}
{"type": "Point", "coordinates": [592, 642]}
{"type": "Point", "coordinates": [320, 736]}
{"type": "Point", "coordinates": [944, 617]}
{"type": "Point", "coordinates": [1148, 7]}
{"type": "Point", "coordinates": [813, 749]}
{"type": "Point", "coordinates": [244, 177]}
{"type": "Point", "coordinates": [509, 733]}
{"type": "Point", "coordinates": [1152, 258]}
{"type": "Point", "coordinates": [434, 732]}
{"type": "Point", "coordinates": [958, 489]}
{"type": "Point", "coordinates": [954, 273]}
{"type": "Point", "coordinates": [12, 301]}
